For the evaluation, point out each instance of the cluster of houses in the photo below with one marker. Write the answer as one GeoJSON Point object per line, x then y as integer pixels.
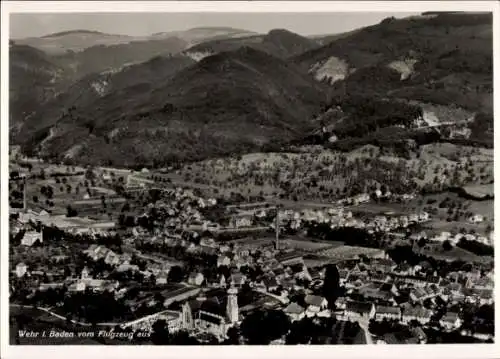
{"type": "Point", "coordinates": [381, 290]}
{"type": "Point", "coordinates": [454, 239]}
{"type": "Point", "coordinates": [378, 194]}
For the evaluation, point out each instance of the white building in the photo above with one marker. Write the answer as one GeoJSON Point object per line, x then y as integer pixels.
{"type": "Point", "coordinates": [31, 237]}
{"type": "Point", "coordinates": [450, 321]}
{"type": "Point", "coordinates": [385, 312]}
{"type": "Point", "coordinates": [477, 218]}
{"type": "Point", "coordinates": [21, 269]}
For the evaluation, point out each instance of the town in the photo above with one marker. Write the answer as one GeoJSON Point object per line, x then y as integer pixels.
{"type": "Point", "coordinates": [107, 249]}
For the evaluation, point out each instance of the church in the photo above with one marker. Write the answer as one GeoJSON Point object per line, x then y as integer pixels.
{"type": "Point", "coordinates": [214, 315]}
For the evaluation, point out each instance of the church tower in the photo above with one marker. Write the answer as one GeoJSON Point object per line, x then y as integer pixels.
{"type": "Point", "coordinates": [232, 305]}
{"type": "Point", "coordinates": [85, 273]}
{"type": "Point", "coordinates": [187, 316]}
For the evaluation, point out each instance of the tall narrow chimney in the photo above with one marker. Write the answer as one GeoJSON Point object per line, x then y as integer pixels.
{"type": "Point", "coordinates": [277, 227]}
{"type": "Point", "coordinates": [25, 205]}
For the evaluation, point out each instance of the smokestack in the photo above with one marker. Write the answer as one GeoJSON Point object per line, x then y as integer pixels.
{"type": "Point", "coordinates": [25, 206]}
{"type": "Point", "coordinates": [277, 227]}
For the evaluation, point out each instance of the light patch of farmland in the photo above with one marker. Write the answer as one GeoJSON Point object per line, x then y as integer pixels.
{"type": "Point", "coordinates": [405, 67]}
{"type": "Point", "coordinates": [334, 69]}
{"type": "Point", "coordinates": [198, 56]}
{"type": "Point", "coordinates": [100, 87]}
{"type": "Point", "coordinates": [73, 151]}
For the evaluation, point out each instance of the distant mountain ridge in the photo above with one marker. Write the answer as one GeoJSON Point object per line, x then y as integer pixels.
{"type": "Point", "coordinates": [63, 42]}
{"type": "Point", "coordinates": [278, 42]}
{"type": "Point", "coordinates": [73, 32]}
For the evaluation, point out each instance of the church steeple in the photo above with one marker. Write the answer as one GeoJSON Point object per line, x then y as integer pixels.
{"type": "Point", "coordinates": [187, 316]}
{"type": "Point", "coordinates": [232, 310]}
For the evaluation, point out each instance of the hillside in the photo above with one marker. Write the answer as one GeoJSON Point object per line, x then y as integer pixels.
{"type": "Point", "coordinates": [227, 103]}
{"type": "Point", "coordinates": [113, 57]}
{"type": "Point", "coordinates": [34, 79]}
{"type": "Point", "coordinates": [84, 93]}
{"type": "Point", "coordinates": [445, 58]}
{"type": "Point", "coordinates": [435, 59]}
{"type": "Point", "coordinates": [280, 43]}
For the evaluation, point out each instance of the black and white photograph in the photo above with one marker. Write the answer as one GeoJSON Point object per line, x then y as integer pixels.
{"type": "Point", "coordinates": [248, 178]}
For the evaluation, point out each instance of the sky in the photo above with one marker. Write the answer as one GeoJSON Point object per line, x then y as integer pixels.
{"type": "Point", "coordinates": [142, 24]}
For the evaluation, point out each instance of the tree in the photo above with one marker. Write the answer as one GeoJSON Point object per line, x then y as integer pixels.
{"type": "Point", "coordinates": [160, 333]}
{"type": "Point", "coordinates": [447, 245]}
{"type": "Point", "coordinates": [331, 285]}
{"type": "Point", "coordinates": [71, 212]}
{"type": "Point", "coordinates": [262, 327]}
{"type": "Point", "coordinates": [175, 275]}
{"type": "Point", "coordinates": [233, 336]}
{"type": "Point", "coordinates": [422, 242]}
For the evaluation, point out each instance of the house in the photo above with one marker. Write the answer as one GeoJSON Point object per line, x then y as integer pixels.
{"type": "Point", "coordinates": [343, 276]}
{"type": "Point", "coordinates": [418, 313]}
{"type": "Point", "coordinates": [484, 296]}
{"type": "Point", "coordinates": [112, 258]}
{"type": "Point", "coordinates": [96, 252]}
{"type": "Point", "coordinates": [21, 269]}
{"type": "Point", "coordinates": [340, 303]}
{"type": "Point", "coordinates": [45, 286]}
{"type": "Point", "coordinates": [237, 279]}
{"type": "Point", "coordinates": [196, 279]}
{"type": "Point", "coordinates": [480, 283]}
{"type": "Point", "coordinates": [241, 221]}
{"type": "Point", "coordinates": [221, 281]}
{"type": "Point", "coordinates": [315, 273]}
{"type": "Point", "coordinates": [294, 311]}
{"type": "Point", "coordinates": [359, 310]}
{"type": "Point", "coordinates": [390, 288]}
{"type": "Point", "coordinates": [270, 283]}
{"type": "Point", "coordinates": [31, 237]}
{"type": "Point", "coordinates": [378, 277]}
{"type": "Point", "coordinates": [161, 279]}
{"type": "Point", "coordinates": [125, 267]}
{"type": "Point", "coordinates": [223, 261]}
{"type": "Point", "coordinates": [419, 294]}
{"type": "Point", "coordinates": [383, 265]}
{"type": "Point", "coordinates": [477, 218]}
{"type": "Point", "coordinates": [419, 334]}
{"type": "Point", "coordinates": [79, 286]}
{"type": "Point", "coordinates": [403, 269]}
{"type": "Point", "coordinates": [385, 312]}
{"type": "Point", "coordinates": [316, 303]}
{"type": "Point", "coordinates": [450, 321]}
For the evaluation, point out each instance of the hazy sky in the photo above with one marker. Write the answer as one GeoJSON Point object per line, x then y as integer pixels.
{"type": "Point", "coordinates": [140, 24]}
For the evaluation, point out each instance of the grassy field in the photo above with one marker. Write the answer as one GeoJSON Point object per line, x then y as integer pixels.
{"type": "Point", "coordinates": [308, 245]}
{"type": "Point", "coordinates": [436, 250]}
